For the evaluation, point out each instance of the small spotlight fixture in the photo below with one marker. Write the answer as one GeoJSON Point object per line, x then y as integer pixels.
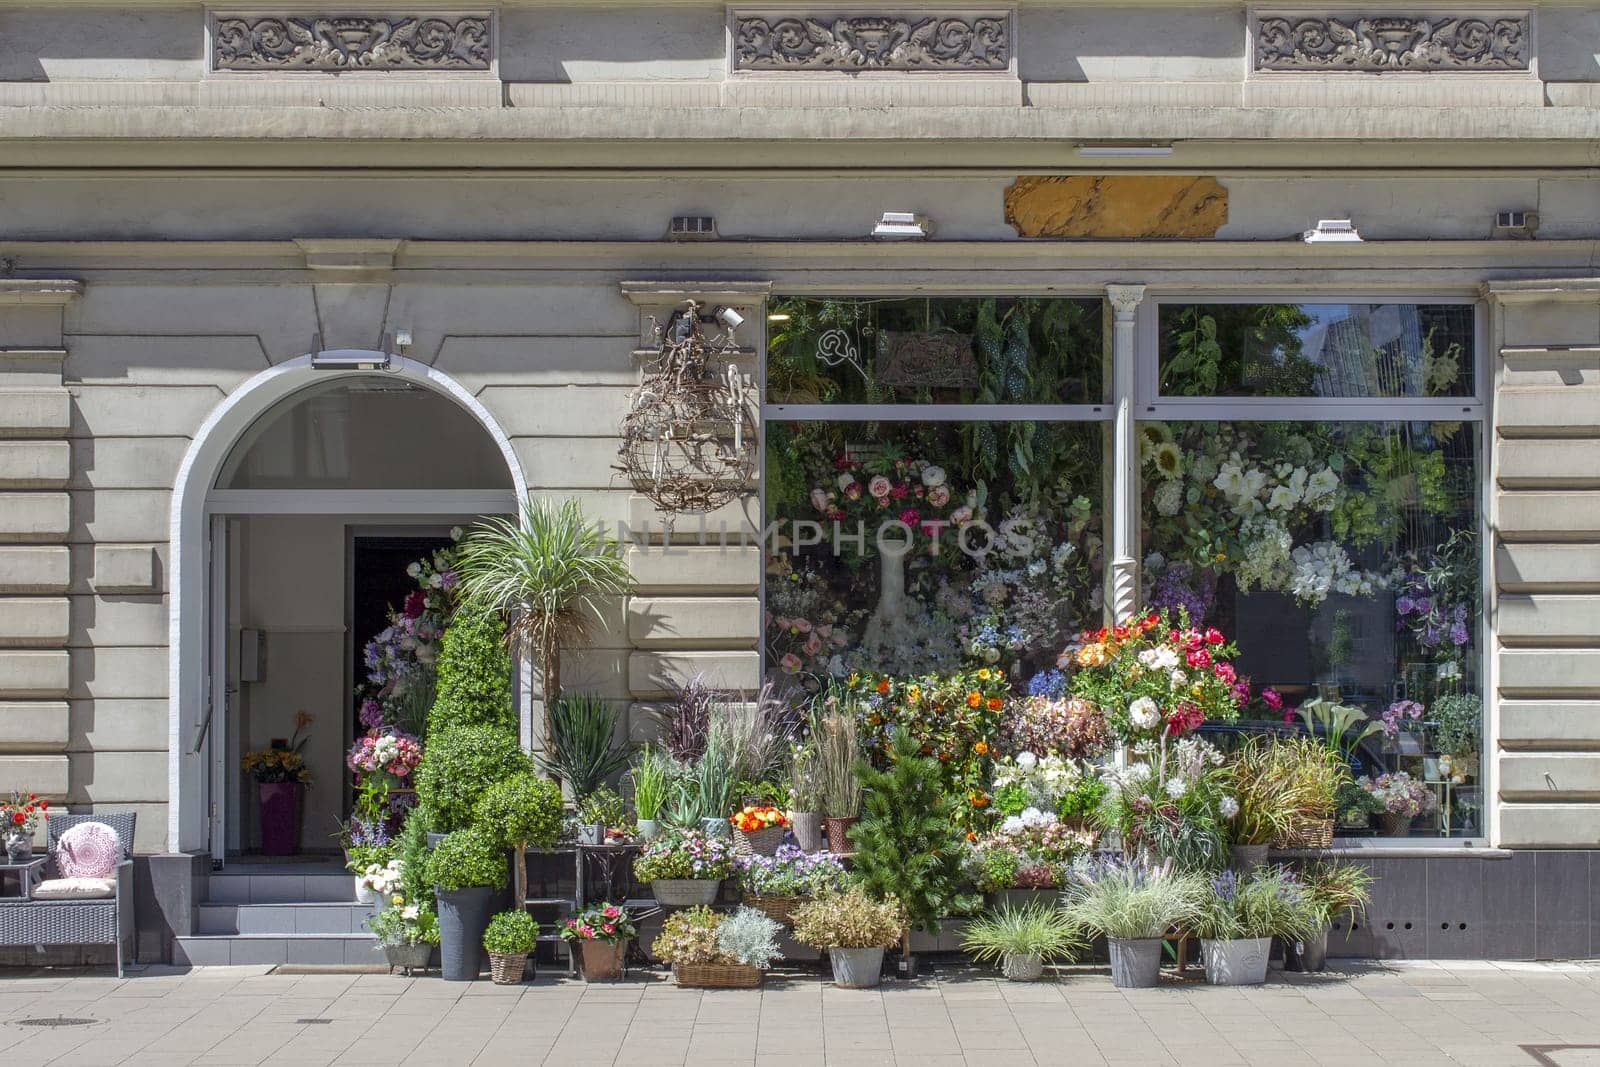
{"type": "Point", "coordinates": [730, 318]}
{"type": "Point", "coordinates": [349, 359]}
{"type": "Point", "coordinates": [903, 226]}
{"type": "Point", "coordinates": [1120, 149]}
{"type": "Point", "coordinates": [1332, 231]}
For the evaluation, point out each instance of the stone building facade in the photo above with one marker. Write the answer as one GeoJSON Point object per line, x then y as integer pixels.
{"type": "Point", "coordinates": [195, 200]}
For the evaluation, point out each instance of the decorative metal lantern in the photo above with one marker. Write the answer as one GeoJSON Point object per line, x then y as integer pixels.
{"type": "Point", "coordinates": [689, 440]}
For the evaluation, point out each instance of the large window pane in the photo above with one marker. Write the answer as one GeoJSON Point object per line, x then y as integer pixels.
{"type": "Point", "coordinates": [938, 350]}
{"type": "Point", "coordinates": [917, 547]}
{"type": "Point", "coordinates": [1328, 350]}
{"type": "Point", "coordinates": [1345, 558]}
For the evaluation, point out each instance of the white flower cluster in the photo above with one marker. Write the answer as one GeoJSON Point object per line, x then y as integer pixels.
{"type": "Point", "coordinates": [1046, 779]}
{"type": "Point", "coordinates": [1030, 819]}
{"type": "Point", "coordinates": [1251, 489]}
{"type": "Point", "coordinates": [382, 879]}
{"type": "Point", "coordinates": [1323, 568]}
{"type": "Point", "coordinates": [1144, 713]}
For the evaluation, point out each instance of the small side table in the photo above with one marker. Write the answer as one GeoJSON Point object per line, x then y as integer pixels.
{"type": "Point", "coordinates": [26, 875]}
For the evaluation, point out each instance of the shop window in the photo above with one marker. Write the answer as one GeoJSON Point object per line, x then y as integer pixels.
{"type": "Point", "coordinates": [908, 536]}
{"type": "Point", "coordinates": [1316, 350]}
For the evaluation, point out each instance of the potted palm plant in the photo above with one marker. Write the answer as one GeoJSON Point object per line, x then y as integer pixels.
{"type": "Point", "coordinates": [1333, 888]}
{"type": "Point", "coordinates": [855, 929]}
{"type": "Point", "coordinates": [466, 869]}
{"type": "Point", "coordinates": [549, 572]}
{"type": "Point", "coordinates": [1239, 917]}
{"type": "Point", "coordinates": [1022, 939]}
{"type": "Point", "coordinates": [509, 941]}
{"type": "Point", "coordinates": [1134, 907]}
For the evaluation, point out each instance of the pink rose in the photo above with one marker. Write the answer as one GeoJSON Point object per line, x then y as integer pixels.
{"type": "Point", "coordinates": [939, 496]}
{"type": "Point", "coordinates": [803, 625]}
{"type": "Point", "coordinates": [961, 516]}
{"type": "Point", "coordinates": [813, 645]}
{"type": "Point", "coordinates": [853, 491]}
{"type": "Point", "coordinates": [790, 663]}
{"type": "Point", "coordinates": [879, 487]}
{"type": "Point", "coordinates": [910, 517]}
{"type": "Point", "coordinates": [1199, 659]}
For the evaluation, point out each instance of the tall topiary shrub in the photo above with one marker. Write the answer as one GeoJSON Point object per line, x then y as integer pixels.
{"type": "Point", "coordinates": [460, 765]}
{"type": "Point", "coordinates": [907, 845]}
{"type": "Point", "coordinates": [474, 673]}
{"type": "Point", "coordinates": [518, 812]}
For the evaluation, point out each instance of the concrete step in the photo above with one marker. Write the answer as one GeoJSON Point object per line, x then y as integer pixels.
{"type": "Point", "coordinates": [241, 885]}
{"type": "Point", "coordinates": [299, 918]}
{"type": "Point", "coordinates": [214, 950]}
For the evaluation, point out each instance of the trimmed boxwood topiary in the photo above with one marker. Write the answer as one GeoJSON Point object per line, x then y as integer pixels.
{"type": "Point", "coordinates": [466, 859]}
{"type": "Point", "coordinates": [511, 933]}
{"type": "Point", "coordinates": [518, 812]}
{"type": "Point", "coordinates": [474, 667]}
{"type": "Point", "coordinates": [461, 763]}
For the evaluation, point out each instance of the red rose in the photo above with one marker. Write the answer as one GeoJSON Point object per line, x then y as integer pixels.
{"type": "Point", "coordinates": [18, 818]}
{"type": "Point", "coordinates": [1213, 636]}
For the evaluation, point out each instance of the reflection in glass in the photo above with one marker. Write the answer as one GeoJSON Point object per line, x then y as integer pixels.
{"type": "Point", "coordinates": [1345, 558]}
{"type": "Point", "coordinates": [943, 350]}
{"type": "Point", "coordinates": [910, 548]}
{"type": "Point", "coordinates": [1327, 350]}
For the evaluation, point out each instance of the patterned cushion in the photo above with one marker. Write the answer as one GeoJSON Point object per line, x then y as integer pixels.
{"type": "Point", "coordinates": [88, 850]}
{"type": "Point", "coordinates": [75, 889]}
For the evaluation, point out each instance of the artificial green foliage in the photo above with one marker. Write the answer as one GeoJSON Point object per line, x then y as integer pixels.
{"type": "Point", "coordinates": [511, 933]}
{"type": "Point", "coordinates": [517, 812]}
{"type": "Point", "coordinates": [1035, 929]}
{"type": "Point", "coordinates": [460, 765]}
{"type": "Point", "coordinates": [474, 687]}
{"type": "Point", "coordinates": [604, 806]}
{"type": "Point", "coordinates": [584, 748]}
{"type": "Point", "coordinates": [1458, 724]}
{"type": "Point", "coordinates": [654, 777]}
{"type": "Point", "coordinates": [906, 842]}
{"type": "Point", "coordinates": [466, 859]}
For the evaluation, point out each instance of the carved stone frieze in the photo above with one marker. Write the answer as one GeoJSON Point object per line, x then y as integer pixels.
{"type": "Point", "coordinates": [1381, 42]}
{"type": "Point", "coordinates": [340, 42]}
{"type": "Point", "coordinates": [872, 42]}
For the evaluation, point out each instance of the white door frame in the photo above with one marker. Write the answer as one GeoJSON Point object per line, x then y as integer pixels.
{"type": "Point", "coordinates": [189, 624]}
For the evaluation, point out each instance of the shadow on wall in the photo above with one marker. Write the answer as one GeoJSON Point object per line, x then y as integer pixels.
{"type": "Point", "coordinates": [1106, 44]}
{"type": "Point", "coordinates": [50, 44]}
{"type": "Point", "coordinates": [567, 45]}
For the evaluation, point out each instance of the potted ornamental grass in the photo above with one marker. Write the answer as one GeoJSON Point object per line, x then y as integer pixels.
{"type": "Point", "coordinates": [855, 929]}
{"type": "Point", "coordinates": [1239, 917]}
{"type": "Point", "coordinates": [1252, 806]}
{"type": "Point", "coordinates": [654, 776]}
{"type": "Point", "coordinates": [805, 797]}
{"type": "Point", "coordinates": [599, 935]}
{"type": "Point", "coordinates": [1134, 907]}
{"type": "Point", "coordinates": [1333, 888]}
{"type": "Point", "coordinates": [466, 869]}
{"type": "Point", "coordinates": [1022, 939]}
{"type": "Point", "coordinates": [775, 885]}
{"type": "Point", "coordinates": [509, 941]}
{"type": "Point", "coordinates": [685, 867]}
{"type": "Point", "coordinates": [709, 950]}
{"type": "Point", "coordinates": [837, 759]}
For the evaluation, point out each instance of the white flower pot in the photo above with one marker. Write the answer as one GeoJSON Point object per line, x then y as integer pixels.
{"type": "Point", "coordinates": [1238, 962]}
{"type": "Point", "coordinates": [365, 895]}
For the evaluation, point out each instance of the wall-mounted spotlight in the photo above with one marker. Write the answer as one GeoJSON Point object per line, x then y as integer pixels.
{"type": "Point", "coordinates": [1332, 231]}
{"type": "Point", "coordinates": [903, 226]}
{"type": "Point", "coordinates": [730, 318]}
{"type": "Point", "coordinates": [349, 358]}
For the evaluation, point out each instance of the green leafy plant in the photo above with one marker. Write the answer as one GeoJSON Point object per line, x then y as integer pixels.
{"type": "Point", "coordinates": [1034, 929]}
{"type": "Point", "coordinates": [1342, 727]}
{"type": "Point", "coordinates": [474, 674]}
{"type": "Point", "coordinates": [654, 774]}
{"type": "Point", "coordinates": [466, 859]}
{"type": "Point", "coordinates": [409, 924]}
{"type": "Point", "coordinates": [1134, 902]}
{"type": "Point", "coordinates": [1280, 783]}
{"type": "Point", "coordinates": [604, 806]}
{"type": "Point", "coordinates": [1334, 888]}
{"type": "Point", "coordinates": [1082, 799]}
{"type": "Point", "coordinates": [460, 765]}
{"type": "Point", "coordinates": [511, 933]}
{"type": "Point", "coordinates": [1267, 903]}
{"type": "Point", "coordinates": [584, 749]}
{"type": "Point", "coordinates": [852, 919]}
{"type": "Point", "coordinates": [550, 572]}
{"type": "Point", "coordinates": [712, 777]}
{"type": "Point", "coordinates": [1457, 724]}
{"type": "Point", "coordinates": [906, 842]}
{"type": "Point", "coordinates": [604, 921]}
{"type": "Point", "coordinates": [689, 936]}
{"type": "Point", "coordinates": [683, 809]}
{"type": "Point", "coordinates": [517, 812]}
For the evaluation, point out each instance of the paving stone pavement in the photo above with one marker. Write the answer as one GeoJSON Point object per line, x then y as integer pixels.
{"type": "Point", "coordinates": [1416, 1014]}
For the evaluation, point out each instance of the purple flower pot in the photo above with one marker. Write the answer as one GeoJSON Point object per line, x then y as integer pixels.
{"type": "Point", "coordinates": [280, 817]}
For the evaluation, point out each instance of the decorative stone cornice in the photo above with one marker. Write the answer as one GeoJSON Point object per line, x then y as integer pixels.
{"type": "Point", "coordinates": [57, 291]}
{"type": "Point", "coordinates": [346, 42]}
{"type": "Point", "coordinates": [856, 42]}
{"type": "Point", "coordinates": [1378, 42]}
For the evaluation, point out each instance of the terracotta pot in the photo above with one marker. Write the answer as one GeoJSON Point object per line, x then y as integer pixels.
{"type": "Point", "coordinates": [839, 834]}
{"type": "Point", "coordinates": [280, 817]}
{"type": "Point", "coordinates": [601, 961]}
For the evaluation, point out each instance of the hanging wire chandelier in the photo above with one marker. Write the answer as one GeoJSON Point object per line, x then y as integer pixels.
{"type": "Point", "coordinates": [689, 440]}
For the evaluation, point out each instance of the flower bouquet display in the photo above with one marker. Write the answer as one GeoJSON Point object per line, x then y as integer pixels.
{"type": "Point", "coordinates": [775, 885]}
{"type": "Point", "coordinates": [759, 828]}
{"type": "Point", "coordinates": [1028, 852]}
{"type": "Point", "coordinates": [385, 751]}
{"type": "Point", "coordinates": [1168, 804]}
{"type": "Point", "coordinates": [281, 778]}
{"type": "Point", "coordinates": [709, 950]}
{"type": "Point", "coordinates": [1239, 917]}
{"type": "Point", "coordinates": [600, 935]}
{"type": "Point", "coordinates": [685, 867]}
{"type": "Point", "coordinates": [20, 820]}
{"type": "Point", "coordinates": [1402, 798]}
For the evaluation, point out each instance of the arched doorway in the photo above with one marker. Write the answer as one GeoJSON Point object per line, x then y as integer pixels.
{"type": "Point", "coordinates": [285, 480]}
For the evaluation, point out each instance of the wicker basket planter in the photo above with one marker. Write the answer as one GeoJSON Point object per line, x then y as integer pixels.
{"type": "Point", "coordinates": [685, 892]}
{"type": "Point", "coordinates": [839, 834]}
{"type": "Point", "coordinates": [761, 843]}
{"type": "Point", "coordinates": [1311, 833]}
{"type": "Point", "coordinates": [507, 970]}
{"type": "Point", "coordinates": [716, 975]}
{"type": "Point", "coordinates": [778, 909]}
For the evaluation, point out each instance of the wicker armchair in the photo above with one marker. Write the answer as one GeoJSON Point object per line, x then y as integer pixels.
{"type": "Point", "coordinates": [107, 921]}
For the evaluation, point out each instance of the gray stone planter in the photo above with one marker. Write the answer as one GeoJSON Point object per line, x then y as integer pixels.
{"type": "Point", "coordinates": [463, 917]}
{"type": "Point", "coordinates": [856, 968]}
{"type": "Point", "coordinates": [1135, 964]}
{"type": "Point", "coordinates": [1021, 967]}
{"type": "Point", "coordinates": [685, 892]}
{"type": "Point", "coordinates": [1238, 962]}
{"type": "Point", "coordinates": [408, 958]}
{"type": "Point", "coordinates": [1019, 898]}
{"type": "Point", "coordinates": [807, 829]}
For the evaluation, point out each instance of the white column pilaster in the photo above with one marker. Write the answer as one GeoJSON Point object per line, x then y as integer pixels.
{"type": "Point", "coordinates": [1124, 513]}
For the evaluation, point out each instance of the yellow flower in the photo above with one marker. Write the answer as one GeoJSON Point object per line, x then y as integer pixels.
{"type": "Point", "coordinates": [914, 694]}
{"type": "Point", "coordinates": [983, 673]}
{"type": "Point", "coordinates": [1093, 655]}
{"type": "Point", "coordinates": [397, 900]}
